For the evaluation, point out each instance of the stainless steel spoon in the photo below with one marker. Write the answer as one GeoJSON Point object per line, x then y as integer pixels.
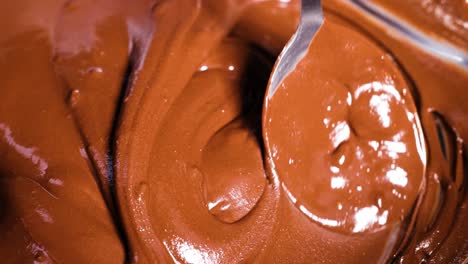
{"type": "Point", "coordinates": [296, 48]}
{"type": "Point", "coordinates": [402, 29]}
{"type": "Point", "coordinates": [312, 18]}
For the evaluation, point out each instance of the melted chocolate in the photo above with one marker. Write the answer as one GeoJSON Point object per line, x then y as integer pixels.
{"type": "Point", "coordinates": [132, 132]}
{"type": "Point", "coordinates": [365, 159]}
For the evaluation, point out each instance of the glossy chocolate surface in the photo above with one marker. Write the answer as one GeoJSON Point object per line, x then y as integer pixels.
{"type": "Point", "coordinates": [138, 131]}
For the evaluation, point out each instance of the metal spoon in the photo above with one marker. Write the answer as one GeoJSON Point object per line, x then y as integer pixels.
{"type": "Point", "coordinates": [295, 49]}
{"type": "Point", "coordinates": [430, 45]}
{"type": "Point", "coordinates": [312, 19]}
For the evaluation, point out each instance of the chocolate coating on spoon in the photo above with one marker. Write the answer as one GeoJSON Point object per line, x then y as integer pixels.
{"type": "Point", "coordinates": [344, 137]}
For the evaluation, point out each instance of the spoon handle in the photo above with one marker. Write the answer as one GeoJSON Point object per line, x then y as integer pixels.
{"type": "Point", "coordinates": [296, 48]}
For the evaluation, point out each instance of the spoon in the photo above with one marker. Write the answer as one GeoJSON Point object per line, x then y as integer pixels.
{"type": "Point", "coordinates": [310, 22]}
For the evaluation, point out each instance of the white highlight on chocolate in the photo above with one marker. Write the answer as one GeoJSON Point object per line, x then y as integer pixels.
{"type": "Point", "coordinates": [397, 176]}
{"type": "Point", "coordinates": [338, 182]}
{"type": "Point", "coordinates": [341, 133]}
{"type": "Point", "coordinates": [367, 217]}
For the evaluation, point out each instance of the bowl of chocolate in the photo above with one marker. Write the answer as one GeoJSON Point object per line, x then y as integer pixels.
{"type": "Point", "coordinates": [139, 132]}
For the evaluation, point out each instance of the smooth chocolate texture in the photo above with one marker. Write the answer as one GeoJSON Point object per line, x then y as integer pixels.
{"type": "Point", "coordinates": [139, 131]}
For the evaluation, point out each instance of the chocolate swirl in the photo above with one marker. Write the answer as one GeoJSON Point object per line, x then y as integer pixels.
{"type": "Point", "coordinates": [131, 131]}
